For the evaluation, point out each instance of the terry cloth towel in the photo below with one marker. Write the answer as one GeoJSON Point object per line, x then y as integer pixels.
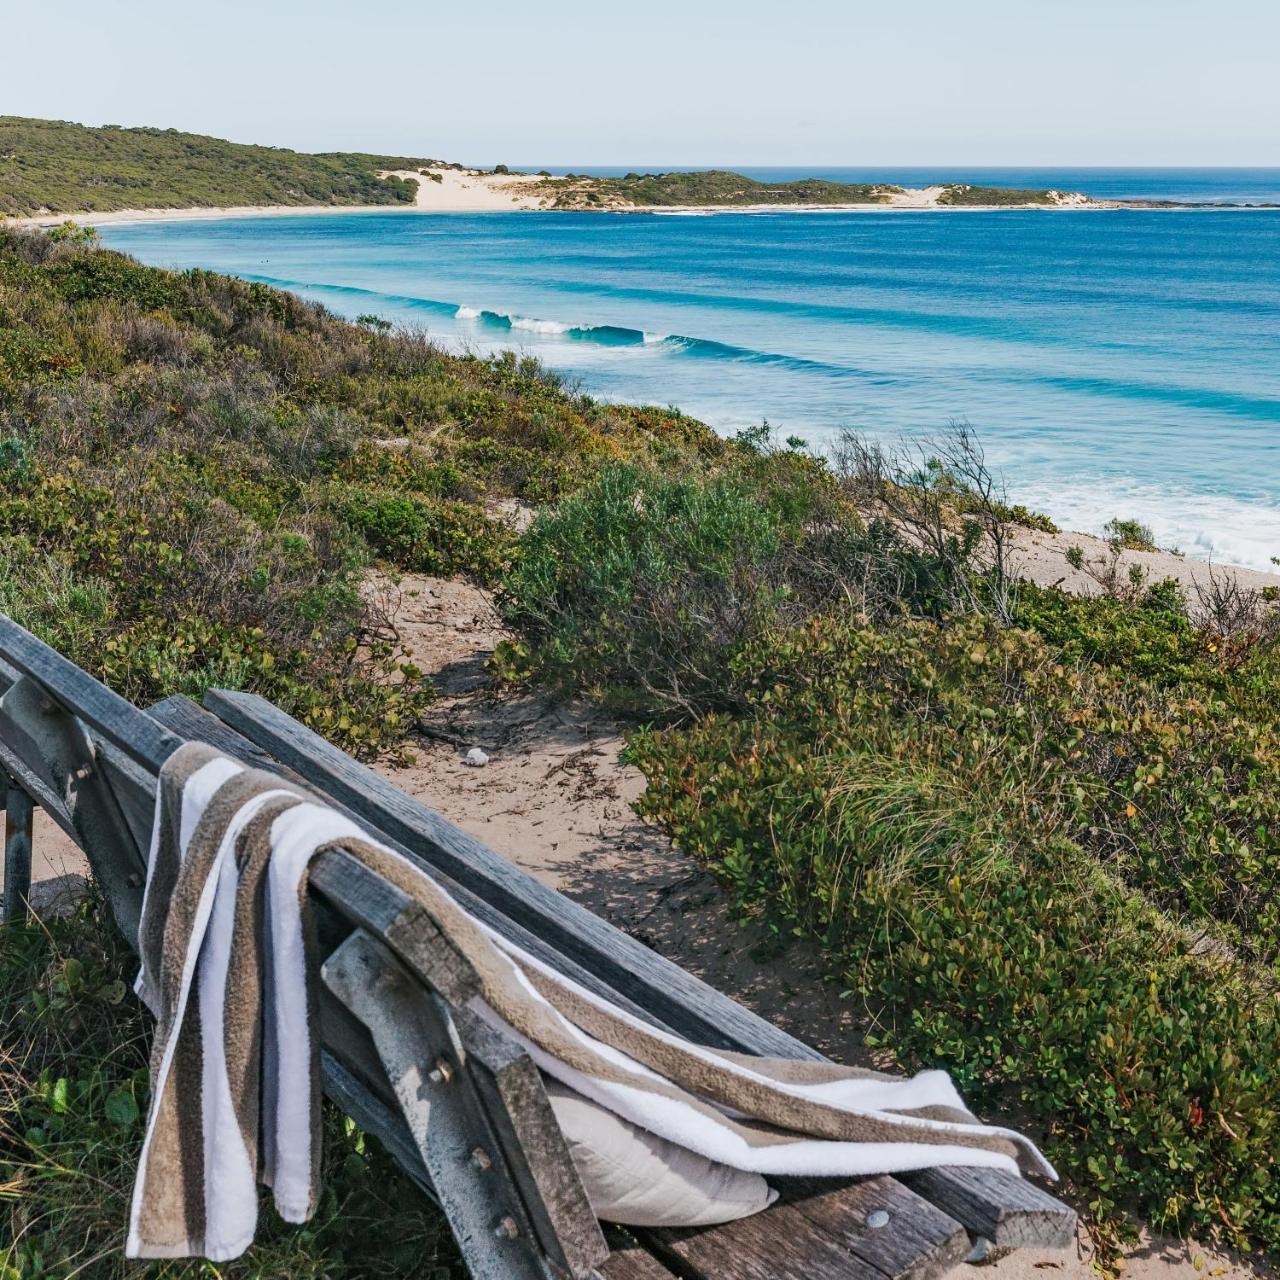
{"type": "Point", "coordinates": [230, 969]}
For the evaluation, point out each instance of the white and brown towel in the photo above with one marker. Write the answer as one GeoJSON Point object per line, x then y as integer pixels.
{"type": "Point", "coordinates": [230, 969]}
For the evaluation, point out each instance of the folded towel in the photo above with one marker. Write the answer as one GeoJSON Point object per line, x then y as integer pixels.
{"type": "Point", "coordinates": [230, 969]}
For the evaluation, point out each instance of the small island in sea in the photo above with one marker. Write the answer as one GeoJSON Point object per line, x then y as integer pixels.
{"type": "Point", "coordinates": [53, 169]}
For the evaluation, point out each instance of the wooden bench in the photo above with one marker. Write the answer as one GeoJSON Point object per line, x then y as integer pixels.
{"type": "Point", "coordinates": [459, 1107]}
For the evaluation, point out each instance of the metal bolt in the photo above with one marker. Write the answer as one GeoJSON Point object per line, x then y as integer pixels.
{"type": "Point", "coordinates": [442, 1072]}
{"type": "Point", "coordinates": [877, 1218]}
{"type": "Point", "coordinates": [507, 1228]}
{"type": "Point", "coordinates": [480, 1158]}
{"type": "Point", "coordinates": [84, 772]}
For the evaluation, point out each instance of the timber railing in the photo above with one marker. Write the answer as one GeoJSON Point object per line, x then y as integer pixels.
{"type": "Point", "coordinates": [461, 1108]}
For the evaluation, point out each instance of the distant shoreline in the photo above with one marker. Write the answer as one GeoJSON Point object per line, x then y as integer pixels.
{"type": "Point", "coordinates": [451, 190]}
{"type": "Point", "coordinates": [201, 213]}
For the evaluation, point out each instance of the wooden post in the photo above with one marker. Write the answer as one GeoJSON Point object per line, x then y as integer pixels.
{"type": "Point", "coordinates": [17, 852]}
{"type": "Point", "coordinates": [429, 1070]}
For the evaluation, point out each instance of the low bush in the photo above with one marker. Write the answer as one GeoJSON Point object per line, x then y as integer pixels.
{"type": "Point", "coordinates": [428, 535]}
{"type": "Point", "coordinates": [1047, 878]}
{"type": "Point", "coordinates": [1132, 535]}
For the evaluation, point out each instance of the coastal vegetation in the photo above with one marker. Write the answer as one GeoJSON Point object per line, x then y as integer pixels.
{"type": "Point", "coordinates": [722, 188]}
{"type": "Point", "coordinates": [198, 471]}
{"type": "Point", "coordinates": [713, 187]}
{"type": "Point", "coordinates": [1035, 836]}
{"type": "Point", "coordinates": [55, 166]}
{"type": "Point", "coordinates": [963, 193]}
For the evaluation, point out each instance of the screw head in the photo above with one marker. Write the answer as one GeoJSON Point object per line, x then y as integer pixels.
{"type": "Point", "coordinates": [877, 1218]}
{"type": "Point", "coordinates": [507, 1228]}
{"type": "Point", "coordinates": [442, 1072]}
{"type": "Point", "coordinates": [480, 1158]}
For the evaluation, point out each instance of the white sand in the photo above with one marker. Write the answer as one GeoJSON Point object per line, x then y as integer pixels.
{"type": "Point", "coordinates": [471, 191]}
{"type": "Point", "coordinates": [1042, 557]}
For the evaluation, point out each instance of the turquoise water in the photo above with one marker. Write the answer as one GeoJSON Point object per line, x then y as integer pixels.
{"type": "Point", "coordinates": [1115, 363]}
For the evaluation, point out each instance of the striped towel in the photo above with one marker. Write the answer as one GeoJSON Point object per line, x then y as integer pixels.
{"type": "Point", "coordinates": [230, 968]}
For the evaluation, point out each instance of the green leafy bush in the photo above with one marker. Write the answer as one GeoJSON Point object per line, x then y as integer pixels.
{"type": "Point", "coordinates": [428, 535]}
{"type": "Point", "coordinates": [1048, 879]}
{"type": "Point", "coordinates": [1132, 535]}
{"type": "Point", "coordinates": [647, 584]}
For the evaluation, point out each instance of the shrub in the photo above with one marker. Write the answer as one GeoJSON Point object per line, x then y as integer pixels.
{"type": "Point", "coordinates": [646, 585]}
{"type": "Point", "coordinates": [428, 535]}
{"type": "Point", "coordinates": [1131, 535]}
{"type": "Point", "coordinates": [981, 838]}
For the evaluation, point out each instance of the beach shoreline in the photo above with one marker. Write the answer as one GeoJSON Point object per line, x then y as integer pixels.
{"type": "Point", "coordinates": [123, 217]}
{"type": "Point", "coordinates": [448, 190]}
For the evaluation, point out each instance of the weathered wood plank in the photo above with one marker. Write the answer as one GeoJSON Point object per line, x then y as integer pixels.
{"type": "Point", "coordinates": [113, 717]}
{"type": "Point", "coordinates": [20, 759]}
{"type": "Point", "coordinates": [367, 900]}
{"type": "Point", "coordinates": [630, 1261]}
{"type": "Point", "coordinates": [882, 1223]}
{"type": "Point", "coordinates": [374, 1115]}
{"type": "Point", "coordinates": [779, 1244]}
{"type": "Point", "coordinates": [426, 1066]}
{"type": "Point", "coordinates": [57, 748]}
{"type": "Point", "coordinates": [1010, 1212]}
{"type": "Point", "coordinates": [18, 817]}
{"type": "Point", "coordinates": [535, 1150]}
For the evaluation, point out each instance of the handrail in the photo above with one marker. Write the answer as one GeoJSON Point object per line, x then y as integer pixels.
{"type": "Point", "coordinates": [117, 720]}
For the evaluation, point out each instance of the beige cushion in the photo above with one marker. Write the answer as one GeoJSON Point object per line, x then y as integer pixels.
{"type": "Point", "coordinates": [635, 1178]}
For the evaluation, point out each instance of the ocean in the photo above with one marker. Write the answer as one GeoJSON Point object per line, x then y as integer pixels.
{"type": "Point", "coordinates": [1117, 363]}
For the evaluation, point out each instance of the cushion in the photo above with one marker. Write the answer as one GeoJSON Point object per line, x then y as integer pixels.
{"type": "Point", "coordinates": [640, 1180]}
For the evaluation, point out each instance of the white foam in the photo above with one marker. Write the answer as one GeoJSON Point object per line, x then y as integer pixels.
{"type": "Point", "coordinates": [467, 313]}
{"type": "Point", "coordinates": [530, 325]}
{"type": "Point", "coordinates": [1204, 526]}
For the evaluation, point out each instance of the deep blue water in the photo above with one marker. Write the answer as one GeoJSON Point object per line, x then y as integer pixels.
{"type": "Point", "coordinates": [1115, 363]}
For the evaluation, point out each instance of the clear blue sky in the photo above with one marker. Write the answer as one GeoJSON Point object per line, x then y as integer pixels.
{"type": "Point", "coordinates": [672, 82]}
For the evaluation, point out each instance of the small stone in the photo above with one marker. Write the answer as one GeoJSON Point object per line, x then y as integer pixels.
{"type": "Point", "coordinates": [476, 758]}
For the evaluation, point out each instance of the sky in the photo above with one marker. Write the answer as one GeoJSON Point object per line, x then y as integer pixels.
{"type": "Point", "coordinates": [671, 82]}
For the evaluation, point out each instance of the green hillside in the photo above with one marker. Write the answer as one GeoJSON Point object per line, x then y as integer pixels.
{"type": "Point", "coordinates": [714, 187]}
{"type": "Point", "coordinates": [55, 166]}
